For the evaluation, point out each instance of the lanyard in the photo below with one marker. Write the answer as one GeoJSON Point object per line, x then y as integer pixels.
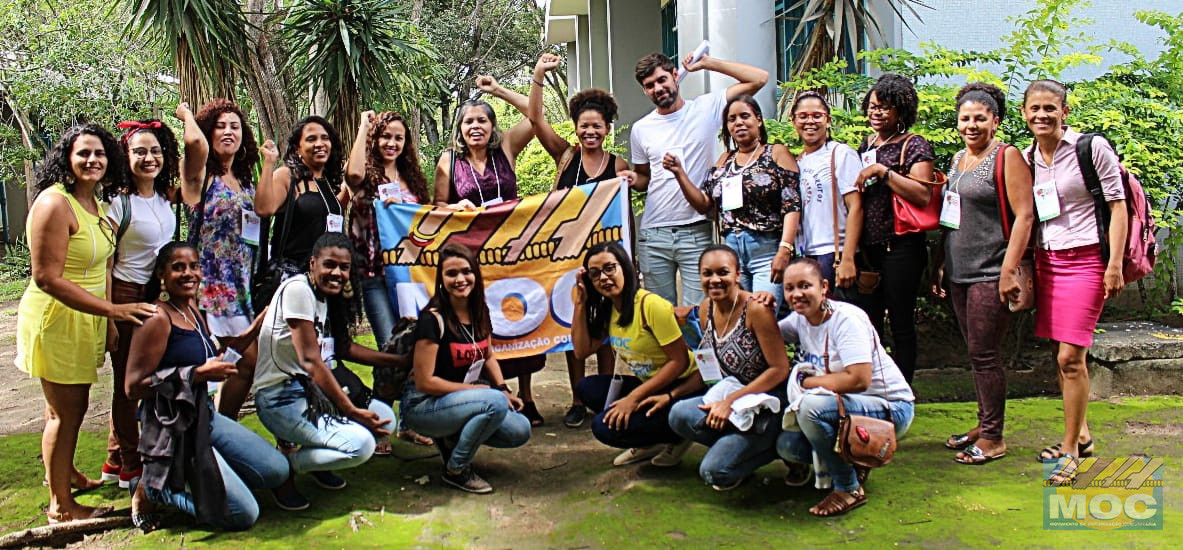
{"type": "Point", "coordinates": [477, 182]}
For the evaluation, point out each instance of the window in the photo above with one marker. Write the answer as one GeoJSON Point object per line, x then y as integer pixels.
{"type": "Point", "coordinates": [669, 29]}
{"type": "Point", "coordinates": [788, 53]}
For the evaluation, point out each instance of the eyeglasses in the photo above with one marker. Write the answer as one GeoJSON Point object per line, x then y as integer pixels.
{"type": "Point", "coordinates": [608, 269]}
{"type": "Point", "coordinates": [107, 231]}
{"type": "Point", "coordinates": [806, 117]}
{"type": "Point", "coordinates": [883, 108]}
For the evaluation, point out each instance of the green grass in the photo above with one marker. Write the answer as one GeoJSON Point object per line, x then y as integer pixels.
{"type": "Point", "coordinates": [558, 492]}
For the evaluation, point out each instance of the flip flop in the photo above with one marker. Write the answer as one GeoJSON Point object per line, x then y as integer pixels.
{"type": "Point", "coordinates": [1064, 473]}
{"type": "Point", "coordinates": [835, 505]}
{"type": "Point", "coordinates": [973, 456]}
{"type": "Point", "coordinates": [1053, 452]}
{"type": "Point", "coordinates": [383, 447]}
{"type": "Point", "coordinates": [416, 438]}
{"type": "Point", "coordinates": [958, 442]}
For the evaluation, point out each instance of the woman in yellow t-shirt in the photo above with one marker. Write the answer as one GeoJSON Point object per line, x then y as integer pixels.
{"type": "Point", "coordinates": [631, 410]}
{"type": "Point", "coordinates": [63, 321]}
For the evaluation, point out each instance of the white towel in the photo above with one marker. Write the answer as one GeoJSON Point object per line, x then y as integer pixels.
{"type": "Point", "coordinates": [744, 409]}
{"type": "Point", "coordinates": [796, 393]}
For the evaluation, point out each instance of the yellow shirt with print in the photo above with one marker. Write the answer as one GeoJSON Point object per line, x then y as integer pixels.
{"type": "Point", "coordinates": [639, 348]}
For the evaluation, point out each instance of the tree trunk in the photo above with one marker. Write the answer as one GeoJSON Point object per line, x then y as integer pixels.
{"type": "Point", "coordinates": [347, 113]}
{"type": "Point", "coordinates": [198, 88]}
{"type": "Point", "coordinates": [265, 83]}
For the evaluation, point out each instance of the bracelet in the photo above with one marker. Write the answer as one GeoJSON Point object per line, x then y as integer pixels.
{"type": "Point", "coordinates": [539, 82]}
{"type": "Point", "coordinates": [786, 245]}
{"type": "Point", "coordinates": [504, 388]}
{"type": "Point", "coordinates": [670, 394]}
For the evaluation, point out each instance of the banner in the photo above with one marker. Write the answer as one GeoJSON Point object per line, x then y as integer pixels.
{"type": "Point", "coordinates": [530, 251]}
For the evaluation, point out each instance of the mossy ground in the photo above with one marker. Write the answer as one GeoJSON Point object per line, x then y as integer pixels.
{"type": "Point", "coordinates": [560, 492]}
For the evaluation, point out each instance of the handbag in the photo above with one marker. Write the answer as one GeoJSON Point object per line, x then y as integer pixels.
{"type": "Point", "coordinates": [273, 271]}
{"type": "Point", "coordinates": [1025, 271]}
{"type": "Point", "coordinates": [359, 394]}
{"type": "Point", "coordinates": [862, 440]}
{"type": "Point", "coordinates": [910, 218]}
{"type": "Point", "coordinates": [391, 382]}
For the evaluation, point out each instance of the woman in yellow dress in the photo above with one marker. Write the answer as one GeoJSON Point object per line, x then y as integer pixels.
{"type": "Point", "coordinates": [64, 317]}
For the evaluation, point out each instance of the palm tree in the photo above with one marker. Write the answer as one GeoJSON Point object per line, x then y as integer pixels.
{"type": "Point", "coordinates": [358, 52]}
{"type": "Point", "coordinates": [206, 39]}
{"type": "Point", "coordinates": [838, 24]}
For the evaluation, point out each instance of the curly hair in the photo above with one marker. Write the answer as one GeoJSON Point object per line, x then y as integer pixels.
{"type": "Point", "coordinates": [986, 94]}
{"type": "Point", "coordinates": [754, 106]}
{"type": "Point", "coordinates": [593, 99]}
{"type": "Point", "coordinates": [335, 167]}
{"type": "Point", "coordinates": [170, 169]}
{"type": "Point", "coordinates": [56, 167]}
{"type": "Point", "coordinates": [247, 156]}
{"type": "Point", "coordinates": [407, 162]}
{"type": "Point", "coordinates": [893, 90]}
{"type": "Point", "coordinates": [650, 63]}
{"type": "Point", "coordinates": [458, 143]}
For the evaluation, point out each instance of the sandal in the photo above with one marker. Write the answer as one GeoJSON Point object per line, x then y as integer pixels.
{"type": "Point", "coordinates": [415, 437]}
{"type": "Point", "coordinates": [531, 412]}
{"type": "Point", "coordinates": [839, 502]}
{"type": "Point", "coordinates": [383, 447]}
{"type": "Point", "coordinates": [1053, 452]}
{"type": "Point", "coordinates": [143, 512]}
{"type": "Point", "coordinates": [958, 442]}
{"type": "Point", "coordinates": [974, 456]}
{"type": "Point", "coordinates": [1064, 473]}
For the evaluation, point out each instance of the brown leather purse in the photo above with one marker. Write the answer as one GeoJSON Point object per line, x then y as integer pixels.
{"type": "Point", "coordinates": [1025, 271]}
{"type": "Point", "coordinates": [862, 440]}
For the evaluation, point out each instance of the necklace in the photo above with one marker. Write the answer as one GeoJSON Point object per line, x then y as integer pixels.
{"type": "Point", "coordinates": [587, 177]}
{"type": "Point", "coordinates": [736, 168]}
{"type": "Point", "coordinates": [891, 137]}
{"type": "Point", "coordinates": [726, 323]}
{"type": "Point", "coordinates": [471, 335]}
{"type": "Point", "coordinates": [204, 339]}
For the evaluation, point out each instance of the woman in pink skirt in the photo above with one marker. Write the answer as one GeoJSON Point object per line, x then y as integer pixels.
{"type": "Point", "coordinates": [1072, 279]}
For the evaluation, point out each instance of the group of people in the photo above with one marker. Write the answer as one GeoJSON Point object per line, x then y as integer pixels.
{"type": "Point", "coordinates": [810, 246]}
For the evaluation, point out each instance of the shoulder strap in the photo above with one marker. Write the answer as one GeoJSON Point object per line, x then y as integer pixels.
{"type": "Point", "coordinates": [125, 202]}
{"type": "Point", "coordinates": [834, 204]}
{"type": "Point", "coordinates": [561, 166]}
{"type": "Point", "coordinates": [439, 319]}
{"type": "Point", "coordinates": [199, 214]}
{"type": "Point", "coordinates": [904, 147]}
{"type": "Point", "coordinates": [452, 177]}
{"type": "Point", "coordinates": [1088, 171]}
{"type": "Point", "coordinates": [1000, 189]}
{"type": "Point", "coordinates": [288, 203]}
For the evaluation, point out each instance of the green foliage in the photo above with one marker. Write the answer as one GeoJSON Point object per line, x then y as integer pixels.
{"type": "Point", "coordinates": [15, 270]}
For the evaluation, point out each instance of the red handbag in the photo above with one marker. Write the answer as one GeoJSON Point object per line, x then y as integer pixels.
{"type": "Point", "coordinates": [910, 218]}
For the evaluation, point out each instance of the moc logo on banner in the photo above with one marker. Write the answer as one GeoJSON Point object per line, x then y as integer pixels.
{"type": "Point", "coordinates": [1108, 494]}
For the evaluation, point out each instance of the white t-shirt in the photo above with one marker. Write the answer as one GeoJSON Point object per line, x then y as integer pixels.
{"type": "Point", "coordinates": [695, 129]}
{"type": "Point", "coordinates": [151, 226]}
{"type": "Point", "coordinates": [852, 341]}
{"type": "Point", "coordinates": [277, 355]}
{"type": "Point", "coordinates": [817, 218]}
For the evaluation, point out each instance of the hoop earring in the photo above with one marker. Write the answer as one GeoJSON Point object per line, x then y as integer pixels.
{"type": "Point", "coordinates": [899, 127]}
{"type": "Point", "coordinates": [163, 293]}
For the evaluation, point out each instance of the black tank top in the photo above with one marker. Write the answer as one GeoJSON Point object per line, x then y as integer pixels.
{"type": "Point", "coordinates": [575, 174]}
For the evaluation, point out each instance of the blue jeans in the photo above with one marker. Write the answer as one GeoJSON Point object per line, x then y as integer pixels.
{"type": "Point", "coordinates": [818, 420]}
{"type": "Point", "coordinates": [327, 445]}
{"type": "Point", "coordinates": [732, 455]}
{"type": "Point", "coordinates": [642, 430]}
{"type": "Point", "coordinates": [472, 417]}
{"type": "Point", "coordinates": [246, 462]}
{"type": "Point", "coordinates": [664, 252]}
{"type": "Point", "coordinates": [755, 253]}
{"type": "Point", "coordinates": [380, 311]}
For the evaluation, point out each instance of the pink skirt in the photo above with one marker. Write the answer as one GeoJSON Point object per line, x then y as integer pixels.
{"type": "Point", "coordinates": [1069, 294]}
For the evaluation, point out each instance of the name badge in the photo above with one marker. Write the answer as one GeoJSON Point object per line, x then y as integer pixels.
{"type": "Point", "coordinates": [613, 390]}
{"type": "Point", "coordinates": [1047, 200]}
{"type": "Point", "coordinates": [951, 210]}
{"type": "Point", "coordinates": [708, 365]}
{"type": "Point", "coordinates": [731, 188]}
{"type": "Point", "coordinates": [250, 227]}
{"type": "Point", "coordinates": [493, 201]}
{"type": "Point", "coordinates": [334, 223]}
{"type": "Point", "coordinates": [327, 351]}
{"type": "Point", "coordinates": [388, 191]}
{"type": "Point", "coordinates": [474, 371]}
{"type": "Point", "coordinates": [869, 158]}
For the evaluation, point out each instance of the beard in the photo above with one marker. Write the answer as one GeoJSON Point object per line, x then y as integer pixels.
{"type": "Point", "coordinates": [667, 101]}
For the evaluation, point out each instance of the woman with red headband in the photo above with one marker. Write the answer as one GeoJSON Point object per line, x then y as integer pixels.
{"type": "Point", "coordinates": [139, 211]}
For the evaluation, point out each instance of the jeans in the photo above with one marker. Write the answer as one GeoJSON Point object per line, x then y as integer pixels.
{"type": "Point", "coordinates": [755, 252]}
{"type": "Point", "coordinates": [901, 263]}
{"type": "Point", "coordinates": [818, 420]}
{"type": "Point", "coordinates": [732, 455]}
{"type": "Point", "coordinates": [380, 311]}
{"type": "Point", "coordinates": [327, 445]}
{"type": "Point", "coordinates": [473, 417]}
{"type": "Point", "coordinates": [983, 319]}
{"type": "Point", "coordinates": [642, 430]}
{"type": "Point", "coordinates": [246, 462]}
{"type": "Point", "coordinates": [665, 252]}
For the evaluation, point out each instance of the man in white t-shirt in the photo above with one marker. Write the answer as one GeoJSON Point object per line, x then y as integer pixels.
{"type": "Point", "coordinates": [672, 233]}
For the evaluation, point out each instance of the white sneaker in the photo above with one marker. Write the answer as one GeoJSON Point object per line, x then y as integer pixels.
{"type": "Point", "coordinates": [636, 454]}
{"type": "Point", "coordinates": [671, 455]}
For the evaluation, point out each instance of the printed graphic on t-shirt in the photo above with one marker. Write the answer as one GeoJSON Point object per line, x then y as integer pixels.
{"type": "Point", "coordinates": [640, 366]}
{"type": "Point", "coordinates": [465, 354]}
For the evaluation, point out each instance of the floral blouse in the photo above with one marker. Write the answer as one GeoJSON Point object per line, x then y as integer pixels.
{"type": "Point", "coordinates": [769, 193]}
{"type": "Point", "coordinates": [226, 259]}
{"type": "Point", "coordinates": [878, 213]}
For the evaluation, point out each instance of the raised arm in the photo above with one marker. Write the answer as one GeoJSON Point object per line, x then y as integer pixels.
{"type": "Point", "coordinates": [272, 193]}
{"type": "Point", "coordinates": [196, 152]}
{"type": "Point", "coordinates": [750, 78]}
{"type": "Point", "coordinates": [551, 141]}
{"type": "Point", "coordinates": [355, 167]}
{"type": "Point", "coordinates": [516, 138]}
